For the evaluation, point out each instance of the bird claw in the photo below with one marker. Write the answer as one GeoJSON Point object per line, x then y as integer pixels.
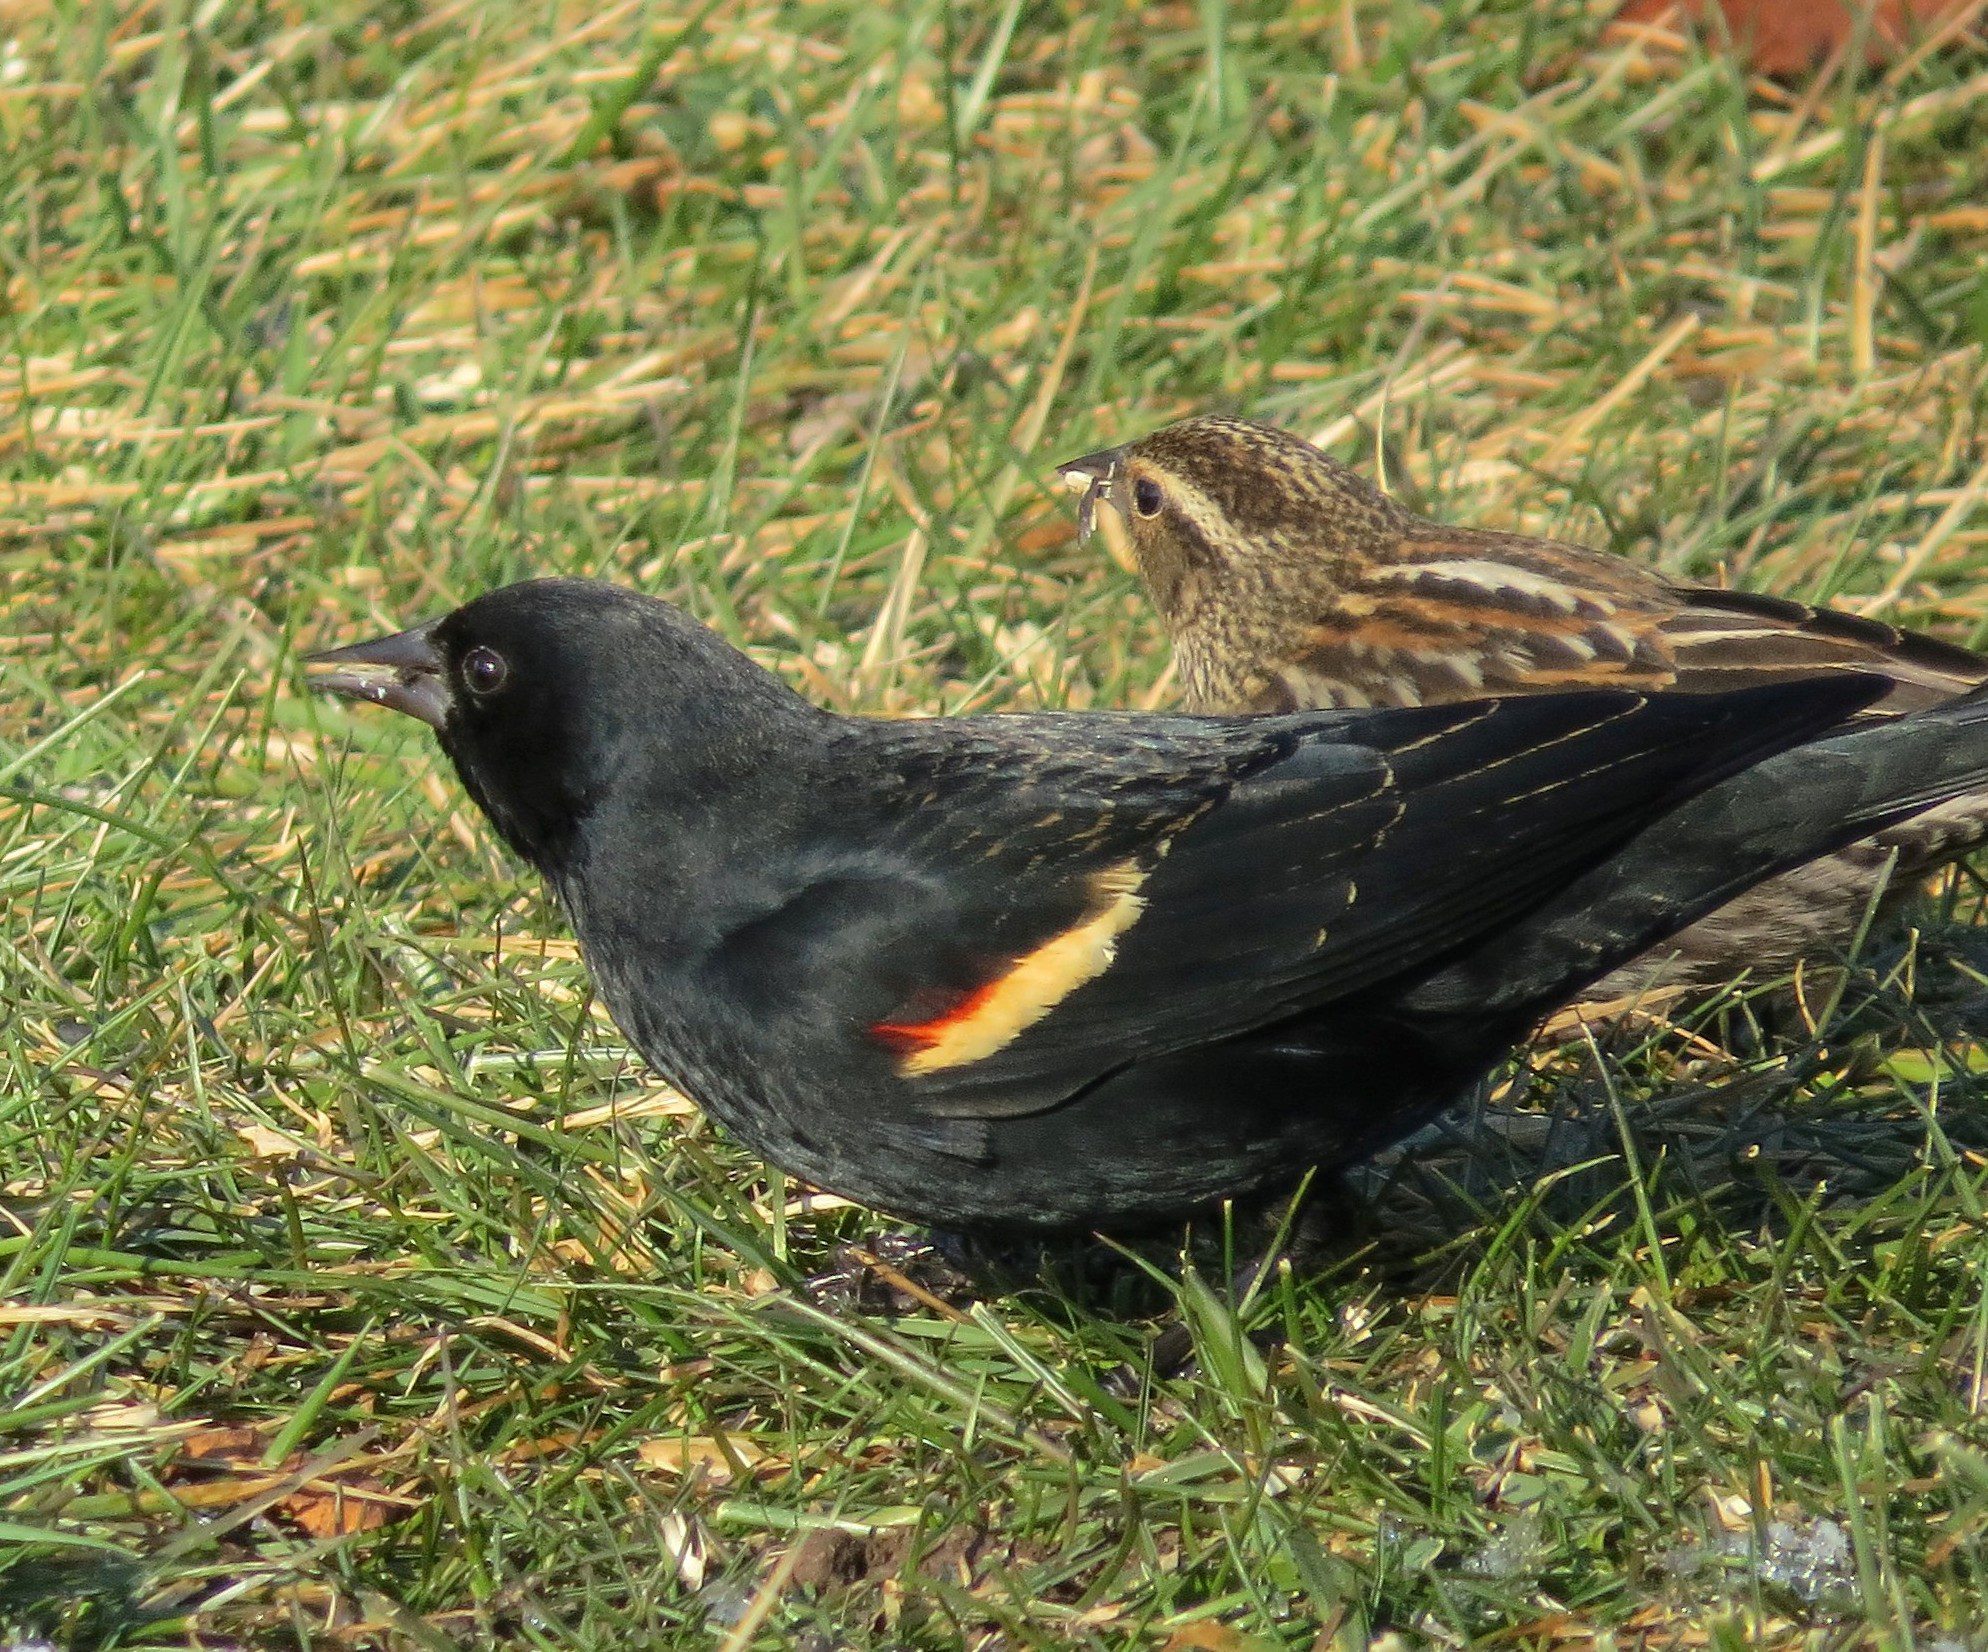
{"type": "Point", "coordinates": [899, 1273]}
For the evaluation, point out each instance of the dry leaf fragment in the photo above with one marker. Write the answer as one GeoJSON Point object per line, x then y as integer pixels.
{"type": "Point", "coordinates": [217, 1467]}
{"type": "Point", "coordinates": [719, 1460]}
{"type": "Point", "coordinates": [1786, 38]}
{"type": "Point", "coordinates": [689, 1550]}
{"type": "Point", "coordinates": [265, 1143]}
{"type": "Point", "coordinates": [1212, 1637]}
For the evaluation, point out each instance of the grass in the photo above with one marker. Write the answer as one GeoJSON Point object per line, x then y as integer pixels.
{"type": "Point", "coordinates": [358, 1289]}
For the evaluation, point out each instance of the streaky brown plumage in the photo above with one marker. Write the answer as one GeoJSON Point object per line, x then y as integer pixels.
{"type": "Point", "coordinates": [1287, 582]}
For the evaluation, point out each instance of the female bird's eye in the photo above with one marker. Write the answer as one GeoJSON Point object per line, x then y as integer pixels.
{"type": "Point", "coordinates": [1146, 496]}
{"type": "Point", "coordinates": [484, 670]}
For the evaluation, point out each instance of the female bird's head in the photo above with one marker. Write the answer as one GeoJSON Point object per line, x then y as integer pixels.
{"type": "Point", "coordinates": [1211, 508]}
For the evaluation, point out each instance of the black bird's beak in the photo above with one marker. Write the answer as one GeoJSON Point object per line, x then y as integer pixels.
{"type": "Point", "coordinates": [1092, 476]}
{"type": "Point", "coordinates": [403, 672]}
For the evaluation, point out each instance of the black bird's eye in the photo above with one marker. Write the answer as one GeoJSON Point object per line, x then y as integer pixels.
{"type": "Point", "coordinates": [1146, 496]}
{"type": "Point", "coordinates": [484, 670]}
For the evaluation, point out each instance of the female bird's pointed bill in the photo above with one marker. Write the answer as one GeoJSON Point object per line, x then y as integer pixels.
{"type": "Point", "coordinates": [403, 672]}
{"type": "Point", "coordinates": [1092, 476]}
{"type": "Point", "coordinates": [1091, 467]}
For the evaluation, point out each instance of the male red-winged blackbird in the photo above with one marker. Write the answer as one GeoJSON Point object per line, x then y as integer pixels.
{"type": "Point", "coordinates": [1103, 970]}
{"type": "Point", "coordinates": [1286, 581]}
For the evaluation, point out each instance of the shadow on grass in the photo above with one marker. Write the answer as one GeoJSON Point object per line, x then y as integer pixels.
{"type": "Point", "coordinates": [1768, 1126]}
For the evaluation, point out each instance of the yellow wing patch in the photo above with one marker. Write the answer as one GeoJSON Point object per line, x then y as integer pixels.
{"type": "Point", "coordinates": [993, 1016]}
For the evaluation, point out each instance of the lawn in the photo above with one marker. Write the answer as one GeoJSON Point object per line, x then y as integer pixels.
{"type": "Point", "coordinates": [357, 1286]}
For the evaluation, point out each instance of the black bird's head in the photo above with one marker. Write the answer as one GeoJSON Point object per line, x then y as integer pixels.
{"type": "Point", "coordinates": [547, 693]}
{"type": "Point", "coordinates": [1208, 509]}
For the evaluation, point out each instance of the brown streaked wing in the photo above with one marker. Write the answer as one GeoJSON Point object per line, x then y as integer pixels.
{"type": "Point", "coordinates": [1458, 614]}
{"type": "Point", "coordinates": [1733, 639]}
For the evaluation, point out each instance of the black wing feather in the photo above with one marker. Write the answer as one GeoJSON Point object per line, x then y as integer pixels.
{"type": "Point", "coordinates": [1376, 844]}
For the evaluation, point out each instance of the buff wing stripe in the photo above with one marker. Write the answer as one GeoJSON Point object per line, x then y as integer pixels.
{"type": "Point", "coordinates": [993, 1016]}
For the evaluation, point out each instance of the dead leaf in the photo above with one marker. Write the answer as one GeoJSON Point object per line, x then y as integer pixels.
{"type": "Point", "coordinates": [1213, 1637]}
{"type": "Point", "coordinates": [338, 1507]}
{"type": "Point", "coordinates": [239, 1449]}
{"type": "Point", "coordinates": [718, 1460]}
{"type": "Point", "coordinates": [265, 1143]}
{"type": "Point", "coordinates": [1787, 38]}
{"type": "Point", "coordinates": [688, 1548]}
{"type": "Point", "coordinates": [218, 1467]}
{"type": "Point", "coordinates": [1732, 1512]}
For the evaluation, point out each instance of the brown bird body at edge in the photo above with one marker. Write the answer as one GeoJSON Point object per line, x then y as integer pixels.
{"type": "Point", "coordinates": [1287, 582]}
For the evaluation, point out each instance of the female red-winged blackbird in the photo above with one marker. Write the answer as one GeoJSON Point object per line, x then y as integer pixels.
{"type": "Point", "coordinates": [1286, 581]}
{"type": "Point", "coordinates": [1103, 970]}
